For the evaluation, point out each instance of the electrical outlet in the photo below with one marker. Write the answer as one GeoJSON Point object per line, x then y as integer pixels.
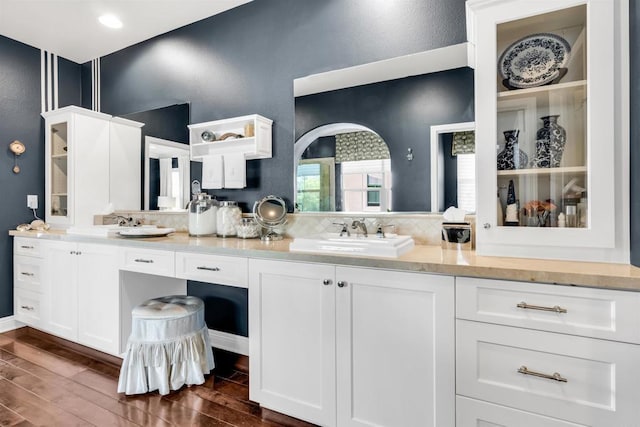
{"type": "Point", "coordinates": [32, 201]}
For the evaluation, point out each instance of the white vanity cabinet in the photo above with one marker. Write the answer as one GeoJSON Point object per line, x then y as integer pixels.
{"type": "Point", "coordinates": [83, 294]}
{"type": "Point", "coordinates": [91, 160]}
{"type": "Point", "coordinates": [545, 355]}
{"type": "Point", "coordinates": [352, 346]}
{"type": "Point", "coordinates": [564, 107]}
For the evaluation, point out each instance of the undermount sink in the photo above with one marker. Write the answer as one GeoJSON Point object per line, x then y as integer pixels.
{"type": "Point", "coordinates": [102, 230]}
{"type": "Point", "coordinates": [390, 246]}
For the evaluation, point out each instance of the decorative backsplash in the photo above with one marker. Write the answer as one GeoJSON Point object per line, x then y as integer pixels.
{"type": "Point", "coordinates": [425, 228]}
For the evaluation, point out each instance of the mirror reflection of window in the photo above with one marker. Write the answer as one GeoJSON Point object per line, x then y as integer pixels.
{"type": "Point", "coordinates": [316, 185]}
{"type": "Point", "coordinates": [366, 185]}
{"type": "Point", "coordinates": [466, 178]}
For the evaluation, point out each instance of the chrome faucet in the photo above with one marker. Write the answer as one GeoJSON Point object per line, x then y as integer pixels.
{"type": "Point", "coordinates": [344, 229]}
{"type": "Point", "coordinates": [359, 224]}
{"type": "Point", "coordinates": [124, 221]}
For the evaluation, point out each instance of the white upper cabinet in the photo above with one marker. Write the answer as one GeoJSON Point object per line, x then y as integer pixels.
{"type": "Point", "coordinates": [91, 160]}
{"type": "Point", "coordinates": [550, 128]}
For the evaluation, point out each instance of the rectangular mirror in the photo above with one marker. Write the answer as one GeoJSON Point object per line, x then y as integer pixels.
{"type": "Point", "coordinates": [344, 118]}
{"type": "Point", "coordinates": [165, 134]}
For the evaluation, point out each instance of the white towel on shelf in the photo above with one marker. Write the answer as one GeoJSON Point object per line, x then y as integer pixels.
{"type": "Point", "coordinates": [235, 170]}
{"type": "Point", "coordinates": [212, 172]}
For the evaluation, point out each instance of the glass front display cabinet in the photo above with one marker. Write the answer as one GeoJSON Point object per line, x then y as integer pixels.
{"type": "Point", "coordinates": [546, 136]}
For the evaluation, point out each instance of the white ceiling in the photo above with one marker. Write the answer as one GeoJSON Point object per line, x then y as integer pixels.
{"type": "Point", "coordinates": [70, 28]}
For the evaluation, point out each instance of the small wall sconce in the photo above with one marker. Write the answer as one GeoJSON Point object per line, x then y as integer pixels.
{"type": "Point", "coordinates": [16, 148]}
{"type": "Point", "coordinates": [409, 154]}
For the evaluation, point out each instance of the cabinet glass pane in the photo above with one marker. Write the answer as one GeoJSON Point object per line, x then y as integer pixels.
{"type": "Point", "coordinates": [541, 120]}
{"type": "Point", "coordinates": [59, 169]}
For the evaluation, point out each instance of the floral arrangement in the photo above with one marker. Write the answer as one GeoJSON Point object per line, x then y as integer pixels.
{"type": "Point", "coordinates": [538, 212]}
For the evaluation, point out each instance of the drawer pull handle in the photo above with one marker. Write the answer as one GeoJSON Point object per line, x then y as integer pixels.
{"type": "Point", "coordinates": [26, 247]}
{"type": "Point", "coordinates": [27, 307]}
{"type": "Point", "coordinates": [24, 273]}
{"type": "Point", "coordinates": [145, 261]}
{"type": "Point", "coordinates": [555, 308]}
{"type": "Point", "coordinates": [555, 376]}
{"type": "Point", "coordinates": [208, 268]}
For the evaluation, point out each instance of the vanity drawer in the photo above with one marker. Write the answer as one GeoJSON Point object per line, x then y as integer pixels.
{"type": "Point", "coordinates": [26, 246]}
{"type": "Point", "coordinates": [150, 261]}
{"type": "Point", "coordinates": [27, 273]}
{"type": "Point", "coordinates": [223, 270]}
{"type": "Point", "coordinates": [474, 413]}
{"type": "Point", "coordinates": [500, 364]}
{"type": "Point", "coordinates": [27, 307]}
{"type": "Point", "coordinates": [599, 313]}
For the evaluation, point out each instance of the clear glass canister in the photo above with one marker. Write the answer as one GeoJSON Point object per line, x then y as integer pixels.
{"type": "Point", "coordinates": [202, 215]}
{"type": "Point", "coordinates": [229, 217]}
{"type": "Point", "coordinates": [248, 228]}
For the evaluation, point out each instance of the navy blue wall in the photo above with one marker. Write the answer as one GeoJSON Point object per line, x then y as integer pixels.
{"type": "Point", "coordinates": [244, 61]}
{"type": "Point", "coordinates": [20, 119]}
{"type": "Point", "coordinates": [400, 111]}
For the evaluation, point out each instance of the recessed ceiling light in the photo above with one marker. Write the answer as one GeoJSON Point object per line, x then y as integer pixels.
{"type": "Point", "coordinates": [110, 21]}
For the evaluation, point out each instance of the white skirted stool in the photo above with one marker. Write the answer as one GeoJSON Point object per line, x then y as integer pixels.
{"type": "Point", "coordinates": [168, 347]}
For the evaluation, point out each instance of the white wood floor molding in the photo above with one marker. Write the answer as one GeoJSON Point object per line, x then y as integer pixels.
{"type": "Point", "coordinates": [230, 342]}
{"type": "Point", "coordinates": [9, 323]}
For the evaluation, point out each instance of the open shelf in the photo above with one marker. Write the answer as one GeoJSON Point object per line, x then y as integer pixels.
{"type": "Point", "coordinates": [544, 171]}
{"type": "Point", "coordinates": [543, 89]}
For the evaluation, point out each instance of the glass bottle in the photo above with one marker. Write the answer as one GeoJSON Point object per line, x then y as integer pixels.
{"type": "Point", "coordinates": [202, 215]}
{"type": "Point", "coordinates": [228, 218]}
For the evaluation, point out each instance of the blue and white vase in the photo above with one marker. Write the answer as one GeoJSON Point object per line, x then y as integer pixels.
{"type": "Point", "coordinates": [512, 157]}
{"type": "Point", "coordinates": [550, 141]}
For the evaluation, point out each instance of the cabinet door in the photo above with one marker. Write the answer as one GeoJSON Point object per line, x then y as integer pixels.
{"type": "Point", "coordinates": [395, 348]}
{"type": "Point", "coordinates": [546, 97]}
{"type": "Point", "coordinates": [292, 339]}
{"type": "Point", "coordinates": [61, 290]}
{"type": "Point", "coordinates": [58, 156]}
{"type": "Point", "coordinates": [89, 170]}
{"type": "Point", "coordinates": [98, 297]}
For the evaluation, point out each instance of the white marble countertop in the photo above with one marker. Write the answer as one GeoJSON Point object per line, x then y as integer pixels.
{"type": "Point", "coordinates": [422, 258]}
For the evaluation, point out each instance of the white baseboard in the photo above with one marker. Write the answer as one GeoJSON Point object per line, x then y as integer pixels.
{"type": "Point", "coordinates": [9, 323]}
{"type": "Point", "coordinates": [230, 342]}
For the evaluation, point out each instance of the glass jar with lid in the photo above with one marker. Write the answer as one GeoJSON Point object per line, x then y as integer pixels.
{"type": "Point", "coordinates": [229, 216]}
{"type": "Point", "coordinates": [202, 215]}
{"type": "Point", "coordinates": [248, 228]}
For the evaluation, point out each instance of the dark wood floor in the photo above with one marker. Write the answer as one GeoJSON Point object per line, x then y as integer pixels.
{"type": "Point", "coordinates": [43, 382]}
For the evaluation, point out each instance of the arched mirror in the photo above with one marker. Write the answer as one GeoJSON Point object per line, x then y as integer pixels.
{"type": "Point", "coordinates": [342, 167]}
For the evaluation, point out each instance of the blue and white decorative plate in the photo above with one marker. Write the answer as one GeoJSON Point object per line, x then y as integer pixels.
{"type": "Point", "coordinates": [534, 60]}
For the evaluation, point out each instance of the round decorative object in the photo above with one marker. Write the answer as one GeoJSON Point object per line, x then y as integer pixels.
{"type": "Point", "coordinates": [551, 139]}
{"type": "Point", "coordinates": [208, 136]}
{"type": "Point", "coordinates": [534, 60]}
{"type": "Point", "coordinates": [17, 147]}
{"type": "Point", "coordinates": [512, 157]}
